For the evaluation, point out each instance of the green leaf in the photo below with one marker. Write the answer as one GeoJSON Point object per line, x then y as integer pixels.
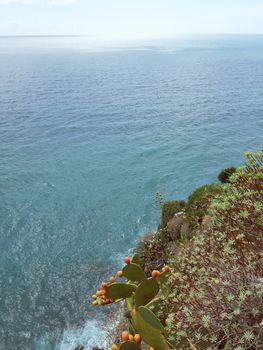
{"type": "Point", "coordinates": [120, 290]}
{"type": "Point", "coordinates": [134, 272]}
{"type": "Point", "coordinates": [146, 291]}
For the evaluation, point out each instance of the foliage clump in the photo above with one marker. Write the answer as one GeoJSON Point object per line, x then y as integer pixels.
{"type": "Point", "coordinates": [225, 174]}
{"type": "Point", "coordinates": [169, 209]}
{"type": "Point", "coordinates": [217, 298]}
{"type": "Point", "coordinates": [199, 201]}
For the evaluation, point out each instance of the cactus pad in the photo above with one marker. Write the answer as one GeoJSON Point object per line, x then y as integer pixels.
{"type": "Point", "coordinates": [150, 318]}
{"type": "Point", "coordinates": [150, 335]}
{"type": "Point", "coordinates": [136, 259]}
{"type": "Point", "coordinates": [129, 303]}
{"type": "Point", "coordinates": [131, 328]}
{"type": "Point", "coordinates": [146, 291]}
{"type": "Point", "coordinates": [129, 345]}
{"type": "Point", "coordinates": [120, 290]}
{"type": "Point", "coordinates": [134, 272]}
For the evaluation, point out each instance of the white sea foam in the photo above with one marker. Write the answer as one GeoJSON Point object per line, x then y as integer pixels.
{"type": "Point", "coordinates": [90, 336]}
{"type": "Point", "coordinates": [95, 333]}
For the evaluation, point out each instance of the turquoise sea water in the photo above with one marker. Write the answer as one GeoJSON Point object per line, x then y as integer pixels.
{"type": "Point", "coordinates": [88, 133]}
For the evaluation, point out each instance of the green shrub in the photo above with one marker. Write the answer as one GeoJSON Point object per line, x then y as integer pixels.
{"type": "Point", "coordinates": [169, 209]}
{"type": "Point", "coordinates": [217, 301]}
{"type": "Point", "coordinates": [225, 174]}
{"type": "Point", "coordinates": [238, 211]}
{"type": "Point", "coordinates": [199, 201]}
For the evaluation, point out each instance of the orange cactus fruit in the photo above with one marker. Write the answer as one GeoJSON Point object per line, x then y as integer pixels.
{"type": "Point", "coordinates": [127, 260]}
{"type": "Point", "coordinates": [103, 285]}
{"type": "Point", "coordinates": [114, 347]}
{"type": "Point", "coordinates": [112, 279]}
{"type": "Point", "coordinates": [94, 303]}
{"type": "Point", "coordinates": [151, 348]}
{"type": "Point", "coordinates": [167, 268]}
{"type": "Point", "coordinates": [137, 338]}
{"type": "Point", "coordinates": [155, 273]}
{"type": "Point", "coordinates": [94, 296]}
{"type": "Point", "coordinates": [131, 337]}
{"type": "Point", "coordinates": [119, 273]}
{"type": "Point", "coordinates": [98, 293]}
{"type": "Point", "coordinates": [125, 336]}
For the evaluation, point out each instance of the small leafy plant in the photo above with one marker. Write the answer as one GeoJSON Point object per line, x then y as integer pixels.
{"type": "Point", "coordinates": [143, 297]}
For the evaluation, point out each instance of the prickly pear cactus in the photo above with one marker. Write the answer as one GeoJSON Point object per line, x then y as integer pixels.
{"type": "Point", "coordinates": [131, 328]}
{"type": "Point", "coordinates": [150, 335]}
{"type": "Point", "coordinates": [120, 290]}
{"type": "Point", "coordinates": [134, 272]}
{"type": "Point", "coordinates": [129, 345]}
{"type": "Point", "coordinates": [136, 259]}
{"type": "Point", "coordinates": [143, 296]}
{"type": "Point", "coordinates": [146, 291]}
{"type": "Point", "coordinates": [148, 316]}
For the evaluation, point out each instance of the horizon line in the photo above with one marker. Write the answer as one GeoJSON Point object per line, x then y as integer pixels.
{"type": "Point", "coordinates": [168, 36]}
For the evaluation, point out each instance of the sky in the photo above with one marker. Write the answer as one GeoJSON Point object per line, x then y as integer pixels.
{"type": "Point", "coordinates": [130, 19]}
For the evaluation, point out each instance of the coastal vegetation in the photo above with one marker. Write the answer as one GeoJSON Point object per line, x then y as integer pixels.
{"type": "Point", "coordinates": [225, 174]}
{"type": "Point", "coordinates": [197, 283]}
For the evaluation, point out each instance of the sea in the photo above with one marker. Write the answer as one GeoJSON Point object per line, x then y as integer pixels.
{"type": "Point", "coordinates": [90, 130]}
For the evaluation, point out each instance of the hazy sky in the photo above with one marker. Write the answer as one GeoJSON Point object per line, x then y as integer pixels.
{"type": "Point", "coordinates": [130, 18]}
